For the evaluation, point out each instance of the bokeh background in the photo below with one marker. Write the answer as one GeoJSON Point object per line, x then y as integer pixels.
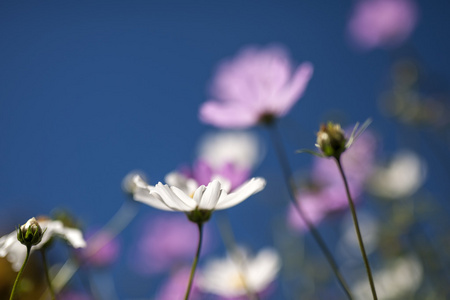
{"type": "Point", "coordinates": [90, 91]}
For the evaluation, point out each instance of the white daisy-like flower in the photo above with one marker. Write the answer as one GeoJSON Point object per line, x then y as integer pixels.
{"type": "Point", "coordinates": [241, 148]}
{"type": "Point", "coordinates": [401, 178]}
{"type": "Point", "coordinates": [399, 280]}
{"type": "Point", "coordinates": [15, 252]}
{"type": "Point", "coordinates": [192, 199]}
{"type": "Point", "coordinates": [238, 274]}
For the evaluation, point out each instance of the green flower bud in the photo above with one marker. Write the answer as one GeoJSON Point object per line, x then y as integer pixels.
{"type": "Point", "coordinates": [30, 234]}
{"type": "Point", "coordinates": [331, 140]}
{"type": "Point", "coordinates": [199, 216]}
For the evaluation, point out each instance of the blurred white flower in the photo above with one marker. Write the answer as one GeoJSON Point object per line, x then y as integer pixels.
{"type": "Point", "coordinates": [401, 178]}
{"type": "Point", "coordinates": [194, 199]}
{"type": "Point", "coordinates": [238, 274]}
{"type": "Point", "coordinates": [397, 281]}
{"type": "Point", "coordinates": [15, 252]}
{"type": "Point", "coordinates": [242, 149]}
{"type": "Point", "coordinates": [133, 181]}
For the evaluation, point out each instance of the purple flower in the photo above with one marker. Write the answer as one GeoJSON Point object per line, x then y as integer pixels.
{"type": "Point", "coordinates": [175, 287]}
{"type": "Point", "coordinates": [327, 193]}
{"type": "Point", "coordinates": [102, 249]}
{"type": "Point", "coordinates": [257, 85]}
{"type": "Point", "coordinates": [167, 240]}
{"type": "Point", "coordinates": [382, 23]}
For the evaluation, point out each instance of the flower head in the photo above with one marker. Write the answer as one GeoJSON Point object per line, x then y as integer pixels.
{"type": "Point", "coordinates": [15, 252]}
{"type": "Point", "coordinates": [331, 140]}
{"type": "Point", "coordinates": [197, 202]}
{"type": "Point", "coordinates": [382, 23]}
{"type": "Point", "coordinates": [255, 87]}
{"type": "Point", "coordinates": [239, 273]}
{"type": "Point", "coordinates": [30, 234]}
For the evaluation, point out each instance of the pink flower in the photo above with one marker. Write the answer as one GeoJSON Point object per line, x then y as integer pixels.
{"type": "Point", "coordinates": [102, 249]}
{"type": "Point", "coordinates": [167, 241]}
{"type": "Point", "coordinates": [257, 85]}
{"type": "Point", "coordinates": [175, 287]}
{"type": "Point", "coordinates": [382, 23]}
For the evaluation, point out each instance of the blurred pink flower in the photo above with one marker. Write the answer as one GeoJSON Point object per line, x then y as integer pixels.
{"type": "Point", "coordinates": [102, 249]}
{"type": "Point", "coordinates": [257, 84]}
{"type": "Point", "coordinates": [175, 287]}
{"type": "Point", "coordinates": [166, 241]}
{"type": "Point", "coordinates": [327, 192]}
{"type": "Point", "coordinates": [382, 23]}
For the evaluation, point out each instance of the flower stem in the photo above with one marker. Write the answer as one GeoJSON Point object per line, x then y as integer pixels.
{"type": "Point", "coordinates": [19, 274]}
{"type": "Point", "coordinates": [194, 263]}
{"type": "Point", "coordinates": [358, 231]}
{"type": "Point", "coordinates": [47, 275]}
{"type": "Point", "coordinates": [292, 189]}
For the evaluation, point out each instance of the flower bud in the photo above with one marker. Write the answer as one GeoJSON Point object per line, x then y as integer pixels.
{"type": "Point", "coordinates": [30, 234]}
{"type": "Point", "coordinates": [331, 140]}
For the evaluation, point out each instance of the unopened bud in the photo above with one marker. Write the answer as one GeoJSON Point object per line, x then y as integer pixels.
{"type": "Point", "coordinates": [30, 234]}
{"type": "Point", "coordinates": [331, 140]}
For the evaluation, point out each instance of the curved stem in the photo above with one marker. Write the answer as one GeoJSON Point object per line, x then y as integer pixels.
{"type": "Point", "coordinates": [194, 263]}
{"type": "Point", "coordinates": [47, 275]}
{"type": "Point", "coordinates": [292, 189]}
{"type": "Point", "coordinates": [20, 273]}
{"type": "Point", "coordinates": [358, 231]}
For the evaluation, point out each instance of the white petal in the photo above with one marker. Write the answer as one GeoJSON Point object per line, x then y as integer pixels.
{"type": "Point", "coordinates": [155, 201]}
{"type": "Point", "coordinates": [170, 198]}
{"type": "Point", "coordinates": [187, 185]}
{"type": "Point", "coordinates": [249, 188]}
{"type": "Point", "coordinates": [198, 194]}
{"type": "Point", "coordinates": [210, 196]}
{"type": "Point", "coordinates": [187, 201]}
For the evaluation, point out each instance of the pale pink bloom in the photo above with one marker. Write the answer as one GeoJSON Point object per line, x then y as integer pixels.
{"type": "Point", "coordinates": [167, 241]}
{"type": "Point", "coordinates": [257, 83]}
{"type": "Point", "coordinates": [328, 193]}
{"type": "Point", "coordinates": [102, 250]}
{"type": "Point", "coordinates": [382, 23]}
{"type": "Point", "coordinates": [175, 287]}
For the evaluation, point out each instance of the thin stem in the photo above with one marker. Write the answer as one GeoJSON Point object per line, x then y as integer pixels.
{"type": "Point", "coordinates": [292, 189]}
{"type": "Point", "coordinates": [194, 263]}
{"type": "Point", "coordinates": [47, 275]}
{"type": "Point", "coordinates": [358, 231]}
{"type": "Point", "coordinates": [20, 273]}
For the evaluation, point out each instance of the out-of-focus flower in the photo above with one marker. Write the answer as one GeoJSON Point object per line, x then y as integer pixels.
{"type": "Point", "coordinates": [102, 249]}
{"type": "Point", "coordinates": [401, 178]}
{"type": "Point", "coordinates": [382, 23]}
{"type": "Point", "coordinates": [399, 280]}
{"type": "Point", "coordinates": [326, 193]}
{"type": "Point", "coordinates": [134, 180]}
{"type": "Point", "coordinates": [15, 252]}
{"type": "Point", "coordinates": [197, 203]}
{"type": "Point", "coordinates": [238, 273]}
{"type": "Point", "coordinates": [331, 140]}
{"type": "Point", "coordinates": [229, 154]}
{"type": "Point", "coordinates": [166, 241]}
{"type": "Point", "coordinates": [255, 87]}
{"type": "Point", "coordinates": [175, 287]}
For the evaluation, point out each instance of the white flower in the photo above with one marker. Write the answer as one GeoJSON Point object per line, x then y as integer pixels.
{"type": "Point", "coordinates": [401, 178]}
{"type": "Point", "coordinates": [191, 198]}
{"type": "Point", "coordinates": [243, 149]}
{"type": "Point", "coordinates": [239, 274]}
{"type": "Point", "coordinates": [397, 281]}
{"type": "Point", "coordinates": [133, 181]}
{"type": "Point", "coordinates": [15, 252]}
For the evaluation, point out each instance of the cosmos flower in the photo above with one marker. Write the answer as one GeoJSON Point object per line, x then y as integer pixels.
{"type": "Point", "coordinates": [15, 252]}
{"type": "Point", "coordinates": [325, 192]}
{"type": "Point", "coordinates": [165, 241]}
{"type": "Point", "coordinates": [401, 178]}
{"type": "Point", "coordinates": [230, 155]}
{"type": "Point", "coordinates": [197, 201]}
{"type": "Point", "coordinates": [255, 87]}
{"type": "Point", "coordinates": [382, 23]}
{"type": "Point", "coordinates": [238, 274]}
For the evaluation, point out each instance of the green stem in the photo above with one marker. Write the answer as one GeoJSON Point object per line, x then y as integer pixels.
{"type": "Point", "coordinates": [47, 274]}
{"type": "Point", "coordinates": [358, 231]}
{"type": "Point", "coordinates": [292, 189]}
{"type": "Point", "coordinates": [194, 263]}
{"type": "Point", "coordinates": [20, 273]}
